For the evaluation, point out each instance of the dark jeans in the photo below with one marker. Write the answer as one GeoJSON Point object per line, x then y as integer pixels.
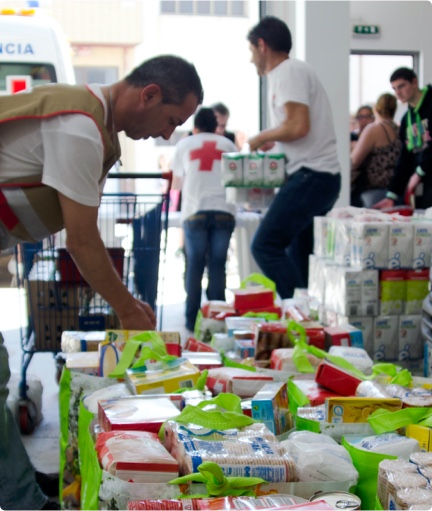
{"type": "Point", "coordinates": [284, 239]}
{"type": "Point", "coordinates": [207, 235]}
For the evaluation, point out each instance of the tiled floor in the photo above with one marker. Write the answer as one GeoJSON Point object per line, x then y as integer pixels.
{"type": "Point", "coordinates": [42, 444]}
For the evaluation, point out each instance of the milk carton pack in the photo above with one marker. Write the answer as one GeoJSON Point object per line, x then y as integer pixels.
{"type": "Point", "coordinates": [320, 236]}
{"type": "Point", "coordinates": [274, 169]}
{"type": "Point", "coordinates": [369, 303]}
{"type": "Point", "coordinates": [232, 169]}
{"type": "Point", "coordinates": [366, 325]}
{"type": "Point", "coordinates": [392, 292]}
{"type": "Point", "coordinates": [410, 337]}
{"type": "Point", "coordinates": [400, 249]}
{"type": "Point", "coordinates": [422, 234]}
{"type": "Point", "coordinates": [369, 247]}
{"type": "Point", "coordinates": [342, 241]}
{"type": "Point", "coordinates": [253, 169]}
{"type": "Point", "coordinates": [385, 338]}
{"type": "Point", "coordinates": [417, 288]}
{"type": "Point", "coordinates": [343, 289]}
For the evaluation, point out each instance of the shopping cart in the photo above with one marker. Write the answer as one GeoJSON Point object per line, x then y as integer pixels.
{"type": "Point", "coordinates": [134, 227]}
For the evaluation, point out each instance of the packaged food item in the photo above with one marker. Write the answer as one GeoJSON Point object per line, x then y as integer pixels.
{"type": "Point", "coordinates": [270, 406]}
{"type": "Point", "coordinates": [135, 456]}
{"type": "Point", "coordinates": [357, 409]}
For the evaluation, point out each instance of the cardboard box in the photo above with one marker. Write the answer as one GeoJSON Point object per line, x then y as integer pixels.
{"type": "Point", "coordinates": [357, 409]}
{"type": "Point", "coordinates": [244, 348]}
{"type": "Point", "coordinates": [270, 406]}
{"type": "Point", "coordinates": [253, 297]}
{"type": "Point", "coordinates": [336, 336]}
{"type": "Point", "coordinates": [392, 292]}
{"type": "Point", "coordinates": [336, 379]}
{"type": "Point", "coordinates": [84, 362]}
{"type": "Point", "coordinates": [135, 413]}
{"type": "Point", "coordinates": [165, 381]}
{"type": "Point", "coordinates": [422, 434]}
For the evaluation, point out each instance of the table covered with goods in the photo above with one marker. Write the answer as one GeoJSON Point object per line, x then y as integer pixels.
{"type": "Point", "coordinates": [272, 404]}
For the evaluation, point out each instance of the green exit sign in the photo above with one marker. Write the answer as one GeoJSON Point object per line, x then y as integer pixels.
{"type": "Point", "coordinates": [366, 29]}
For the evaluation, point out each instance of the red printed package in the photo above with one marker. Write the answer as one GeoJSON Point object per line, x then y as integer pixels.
{"type": "Point", "coordinates": [164, 504]}
{"type": "Point", "coordinates": [337, 379]}
{"type": "Point", "coordinates": [315, 393]}
{"type": "Point", "coordinates": [253, 297]}
{"type": "Point", "coordinates": [336, 336]}
{"type": "Point", "coordinates": [194, 345]}
{"type": "Point", "coordinates": [268, 337]}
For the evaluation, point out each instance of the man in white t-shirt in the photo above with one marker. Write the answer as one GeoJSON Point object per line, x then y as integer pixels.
{"type": "Point", "coordinates": [208, 220]}
{"type": "Point", "coordinates": [57, 144]}
{"type": "Point", "coordinates": [301, 128]}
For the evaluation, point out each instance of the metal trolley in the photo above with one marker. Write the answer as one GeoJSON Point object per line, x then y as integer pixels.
{"type": "Point", "coordinates": [134, 227]}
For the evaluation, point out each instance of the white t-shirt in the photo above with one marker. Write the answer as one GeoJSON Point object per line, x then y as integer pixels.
{"type": "Point", "coordinates": [295, 81]}
{"type": "Point", "coordinates": [197, 159]}
{"type": "Point", "coordinates": [67, 150]}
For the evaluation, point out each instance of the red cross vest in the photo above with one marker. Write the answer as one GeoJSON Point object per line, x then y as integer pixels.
{"type": "Point", "coordinates": [43, 102]}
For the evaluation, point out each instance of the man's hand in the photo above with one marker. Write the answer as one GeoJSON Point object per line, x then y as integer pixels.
{"type": "Point", "coordinates": [384, 204]}
{"type": "Point", "coordinates": [255, 143]}
{"type": "Point", "coordinates": [412, 184]}
{"type": "Point", "coordinates": [139, 317]}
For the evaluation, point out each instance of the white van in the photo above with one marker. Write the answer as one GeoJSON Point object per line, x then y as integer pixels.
{"type": "Point", "coordinates": [33, 51]}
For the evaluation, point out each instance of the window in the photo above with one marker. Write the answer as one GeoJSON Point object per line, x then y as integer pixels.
{"type": "Point", "coordinates": [40, 73]}
{"type": "Point", "coordinates": [95, 74]}
{"type": "Point", "coordinates": [370, 73]}
{"type": "Point", "coordinates": [204, 7]}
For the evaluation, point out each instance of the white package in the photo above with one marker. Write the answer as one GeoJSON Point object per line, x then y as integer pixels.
{"type": "Point", "coordinates": [342, 241]}
{"type": "Point", "coordinates": [422, 234]}
{"type": "Point", "coordinates": [387, 443]}
{"type": "Point", "coordinates": [358, 357]}
{"type": "Point", "coordinates": [385, 334]}
{"type": "Point", "coordinates": [410, 337]}
{"type": "Point", "coordinates": [369, 303]}
{"type": "Point", "coordinates": [319, 458]}
{"type": "Point", "coordinates": [343, 289]}
{"type": "Point", "coordinates": [369, 247]}
{"type": "Point", "coordinates": [400, 249]}
{"type": "Point", "coordinates": [366, 325]}
{"type": "Point", "coordinates": [321, 242]}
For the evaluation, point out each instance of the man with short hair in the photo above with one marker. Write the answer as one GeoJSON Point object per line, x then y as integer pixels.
{"type": "Point", "coordinates": [57, 144]}
{"type": "Point", "coordinates": [301, 128]}
{"type": "Point", "coordinates": [222, 115]}
{"type": "Point", "coordinates": [415, 162]}
{"type": "Point", "coordinates": [208, 220]}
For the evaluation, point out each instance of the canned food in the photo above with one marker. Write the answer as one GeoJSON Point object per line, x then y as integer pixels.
{"type": "Point", "coordinates": [338, 499]}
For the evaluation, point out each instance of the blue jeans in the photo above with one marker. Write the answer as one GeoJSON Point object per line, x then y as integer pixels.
{"type": "Point", "coordinates": [207, 237]}
{"type": "Point", "coordinates": [284, 239]}
{"type": "Point", "coordinates": [18, 488]}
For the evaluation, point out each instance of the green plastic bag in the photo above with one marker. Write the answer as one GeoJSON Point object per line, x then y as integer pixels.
{"type": "Point", "coordinates": [366, 464]}
{"type": "Point", "coordinates": [91, 473]}
{"type": "Point", "coordinates": [73, 386]}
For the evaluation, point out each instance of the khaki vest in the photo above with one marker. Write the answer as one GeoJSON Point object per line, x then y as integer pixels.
{"type": "Point", "coordinates": [41, 103]}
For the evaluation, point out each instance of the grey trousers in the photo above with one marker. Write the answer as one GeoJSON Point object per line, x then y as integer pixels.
{"type": "Point", "coordinates": [18, 487]}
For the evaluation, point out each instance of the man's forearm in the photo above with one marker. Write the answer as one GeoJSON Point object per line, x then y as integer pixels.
{"type": "Point", "coordinates": [95, 265]}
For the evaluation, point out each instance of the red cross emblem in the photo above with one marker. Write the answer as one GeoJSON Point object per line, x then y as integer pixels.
{"type": "Point", "coordinates": [207, 154]}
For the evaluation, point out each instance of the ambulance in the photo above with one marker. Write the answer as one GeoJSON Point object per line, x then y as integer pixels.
{"type": "Point", "coordinates": [33, 51]}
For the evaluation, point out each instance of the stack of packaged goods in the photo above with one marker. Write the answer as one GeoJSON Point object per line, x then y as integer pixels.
{"type": "Point", "coordinates": [370, 270]}
{"type": "Point", "coordinates": [278, 404]}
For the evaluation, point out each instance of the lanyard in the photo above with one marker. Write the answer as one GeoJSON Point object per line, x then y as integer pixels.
{"type": "Point", "coordinates": [418, 142]}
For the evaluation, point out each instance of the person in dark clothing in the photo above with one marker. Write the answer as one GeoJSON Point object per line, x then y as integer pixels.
{"type": "Point", "coordinates": [222, 115]}
{"type": "Point", "coordinates": [415, 162]}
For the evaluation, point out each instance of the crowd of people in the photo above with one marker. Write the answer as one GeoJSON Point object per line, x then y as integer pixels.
{"type": "Point", "coordinates": [58, 142]}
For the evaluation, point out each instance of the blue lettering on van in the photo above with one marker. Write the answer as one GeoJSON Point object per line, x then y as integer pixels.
{"type": "Point", "coordinates": [16, 49]}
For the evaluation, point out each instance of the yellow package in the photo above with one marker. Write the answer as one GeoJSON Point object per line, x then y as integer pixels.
{"type": "Point", "coordinates": [357, 409]}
